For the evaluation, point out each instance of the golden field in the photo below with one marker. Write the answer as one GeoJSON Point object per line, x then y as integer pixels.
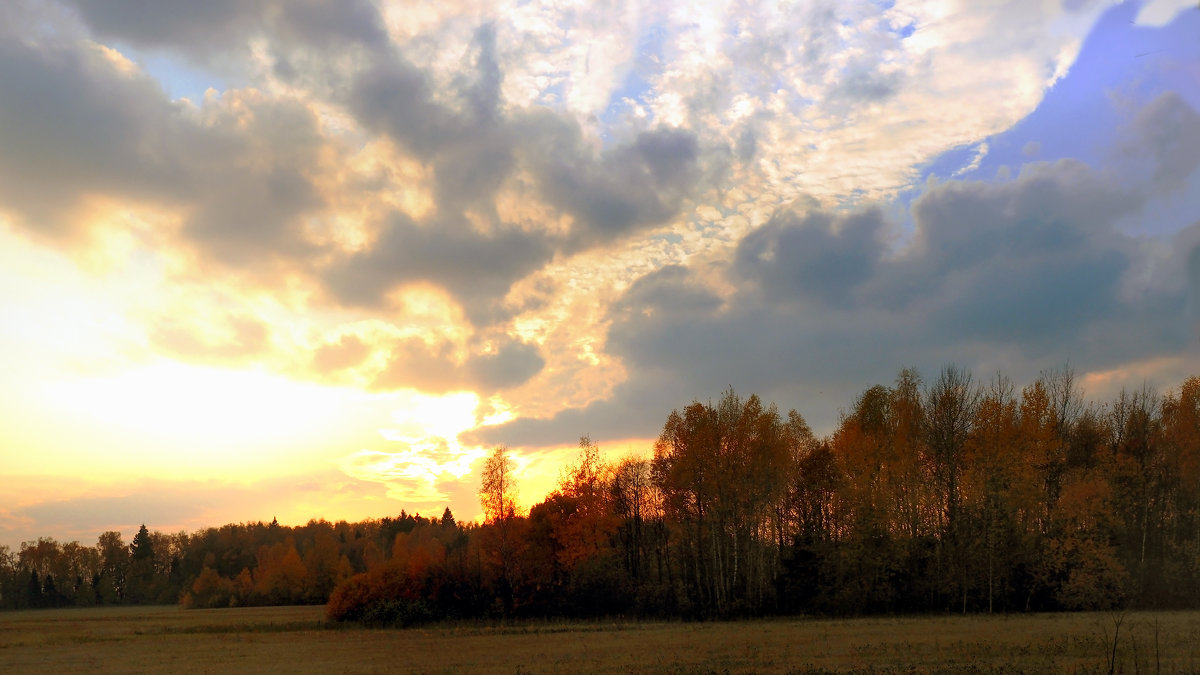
{"type": "Point", "coordinates": [298, 639]}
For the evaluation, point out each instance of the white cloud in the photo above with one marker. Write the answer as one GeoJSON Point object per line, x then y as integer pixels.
{"type": "Point", "coordinates": [1162, 12]}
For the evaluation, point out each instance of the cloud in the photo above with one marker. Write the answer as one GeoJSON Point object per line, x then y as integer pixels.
{"type": "Point", "coordinates": [348, 351]}
{"type": "Point", "coordinates": [588, 215]}
{"type": "Point", "coordinates": [473, 152]}
{"type": "Point", "coordinates": [251, 179]}
{"type": "Point", "coordinates": [814, 254]}
{"type": "Point", "coordinates": [674, 288]}
{"type": "Point", "coordinates": [476, 149]}
{"type": "Point", "coordinates": [85, 135]}
{"type": "Point", "coordinates": [512, 363]}
{"type": "Point", "coordinates": [629, 188]}
{"type": "Point", "coordinates": [74, 124]}
{"type": "Point", "coordinates": [251, 173]}
{"type": "Point", "coordinates": [1021, 276]}
{"type": "Point", "coordinates": [1168, 130]}
{"type": "Point", "coordinates": [256, 212]}
{"type": "Point", "coordinates": [477, 268]}
{"type": "Point", "coordinates": [395, 97]}
{"type": "Point", "coordinates": [160, 24]}
{"type": "Point", "coordinates": [202, 29]}
{"type": "Point", "coordinates": [434, 366]}
{"type": "Point", "coordinates": [231, 338]}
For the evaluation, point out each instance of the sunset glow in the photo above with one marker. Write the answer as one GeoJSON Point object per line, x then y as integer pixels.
{"type": "Point", "coordinates": [259, 261]}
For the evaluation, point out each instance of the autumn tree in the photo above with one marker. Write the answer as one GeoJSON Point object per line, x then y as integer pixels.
{"type": "Point", "coordinates": [863, 561]}
{"type": "Point", "coordinates": [1143, 483]}
{"type": "Point", "coordinates": [875, 506]}
{"type": "Point", "coordinates": [588, 527]}
{"type": "Point", "coordinates": [950, 404]}
{"type": "Point", "coordinates": [641, 534]}
{"type": "Point", "coordinates": [1002, 495]}
{"type": "Point", "coordinates": [498, 498]}
{"type": "Point", "coordinates": [114, 557]}
{"type": "Point", "coordinates": [924, 497]}
{"type": "Point", "coordinates": [8, 578]}
{"type": "Point", "coordinates": [325, 564]}
{"type": "Point", "coordinates": [280, 575]}
{"type": "Point", "coordinates": [498, 491]}
{"type": "Point", "coordinates": [723, 472]}
{"type": "Point", "coordinates": [583, 526]}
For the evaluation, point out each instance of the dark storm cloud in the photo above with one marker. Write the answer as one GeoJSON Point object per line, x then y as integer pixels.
{"type": "Point", "coordinates": [673, 288]}
{"type": "Point", "coordinates": [413, 362]}
{"type": "Point", "coordinates": [252, 196]}
{"type": "Point", "coordinates": [483, 89]}
{"type": "Point", "coordinates": [812, 255]}
{"type": "Point", "coordinates": [512, 364]}
{"type": "Point", "coordinates": [625, 189]}
{"type": "Point", "coordinates": [243, 170]}
{"type": "Point", "coordinates": [329, 24]}
{"type": "Point", "coordinates": [1168, 129]}
{"type": "Point", "coordinates": [477, 268]}
{"type": "Point", "coordinates": [473, 150]}
{"type": "Point", "coordinates": [469, 148]}
{"type": "Point", "coordinates": [169, 23]}
{"type": "Point", "coordinates": [395, 97]}
{"type": "Point", "coordinates": [1030, 271]}
{"type": "Point", "coordinates": [71, 124]}
{"type": "Point", "coordinates": [1033, 260]}
{"type": "Point", "coordinates": [203, 28]}
{"type": "Point", "coordinates": [1052, 215]}
{"type": "Point", "coordinates": [1193, 282]}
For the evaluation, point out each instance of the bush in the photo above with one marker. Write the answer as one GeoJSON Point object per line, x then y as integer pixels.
{"type": "Point", "coordinates": [385, 596]}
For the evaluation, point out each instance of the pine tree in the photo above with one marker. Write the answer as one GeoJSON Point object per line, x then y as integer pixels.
{"type": "Point", "coordinates": [142, 548]}
{"type": "Point", "coordinates": [140, 578]}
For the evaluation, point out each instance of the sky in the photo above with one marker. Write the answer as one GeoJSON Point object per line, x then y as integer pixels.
{"type": "Point", "coordinates": [293, 259]}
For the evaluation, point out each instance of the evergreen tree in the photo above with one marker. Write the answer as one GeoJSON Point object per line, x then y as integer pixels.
{"type": "Point", "coordinates": [33, 592]}
{"type": "Point", "coordinates": [140, 579]}
{"type": "Point", "coordinates": [142, 548]}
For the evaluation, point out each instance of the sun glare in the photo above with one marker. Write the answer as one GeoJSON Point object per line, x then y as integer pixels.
{"type": "Point", "coordinates": [423, 418]}
{"type": "Point", "coordinates": [166, 411]}
{"type": "Point", "coordinates": [423, 451]}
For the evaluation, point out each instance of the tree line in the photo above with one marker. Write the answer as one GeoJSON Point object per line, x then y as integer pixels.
{"type": "Point", "coordinates": [229, 566]}
{"type": "Point", "coordinates": [951, 495]}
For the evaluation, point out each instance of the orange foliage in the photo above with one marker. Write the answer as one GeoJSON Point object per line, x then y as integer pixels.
{"type": "Point", "coordinates": [280, 576]}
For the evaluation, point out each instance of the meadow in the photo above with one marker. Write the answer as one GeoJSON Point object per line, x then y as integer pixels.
{"type": "Point", "coordinates": [298, 639]}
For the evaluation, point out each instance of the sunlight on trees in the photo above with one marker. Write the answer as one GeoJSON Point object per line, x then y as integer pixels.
{"type": "Point", "coordinates": [952, 496]}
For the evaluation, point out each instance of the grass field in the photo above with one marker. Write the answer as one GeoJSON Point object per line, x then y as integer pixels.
{"type": "Point", "coordinates": [296, 639]}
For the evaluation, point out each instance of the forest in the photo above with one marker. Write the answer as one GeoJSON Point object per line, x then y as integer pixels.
{"type": "Point", "coordinates": [952, 495]}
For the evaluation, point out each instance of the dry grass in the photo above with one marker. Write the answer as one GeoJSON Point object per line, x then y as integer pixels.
{"type": "Point", "coordinates": [296, 639]}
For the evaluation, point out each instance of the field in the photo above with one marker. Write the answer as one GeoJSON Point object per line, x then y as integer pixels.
{"type": "Point", "coordinates": [296, 639]}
